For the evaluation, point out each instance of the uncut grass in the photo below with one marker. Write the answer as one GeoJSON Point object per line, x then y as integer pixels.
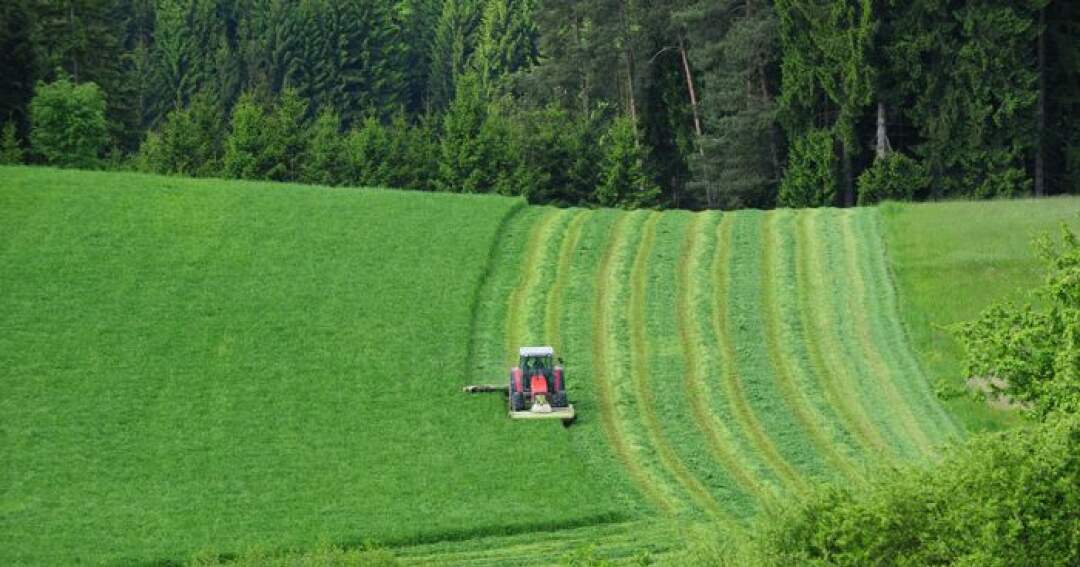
{"type": "Point", "coordinates": [606, 542]}
{"type": "Point", "coordinates": [776, 430]}
{"type": "Point", "coordinates": [659, 371]}
{"type": "Point", "coordinates": [952, 260]}
{"type": "Point", "coordinates": [788, 354]}
{"type": "Point", "coordinates": [847, 312]}
{"type": "Point", "coordinates": [889, 337]}
{"type": "Point", "coordinates": [197, 364]}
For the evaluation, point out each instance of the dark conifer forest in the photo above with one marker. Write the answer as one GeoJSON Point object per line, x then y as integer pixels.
{"type": "Point", "coordinates": [629, 103]}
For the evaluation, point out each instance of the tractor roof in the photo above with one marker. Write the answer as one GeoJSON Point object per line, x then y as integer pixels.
{"type": "Point", "coordinates": [537, 351]}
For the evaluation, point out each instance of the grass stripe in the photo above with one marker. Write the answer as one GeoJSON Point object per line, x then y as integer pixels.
{"type": "Point", "coordinates": [824, 347]}
{"type": "Point", "coordinates": [639, 355]}
{"type": "Point", "coordinates": [606, 393]}
{"type": "Point", "coordinates": [532, 275]}
{"type": "Point", "coordinates": [908, 374]}
{"type": "Point", "coordinates": [808, 419]}
{"type": "Point", "coordinates": [881, 370]}
{"type": "Point", "coordinates": [718, 437]}
{"type": "Point", "coordinates": [555, 308]}
{"type": "Point", "coordinates": [744, 414]}
{"type": "Point", "coordinates": [840, 297]}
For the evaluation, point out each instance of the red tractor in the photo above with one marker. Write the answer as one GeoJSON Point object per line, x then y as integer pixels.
{"type": "Point", "coordinates": [538, 387]}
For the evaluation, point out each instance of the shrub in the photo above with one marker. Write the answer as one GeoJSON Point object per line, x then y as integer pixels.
{"type": "Point", "coordinates": [189, 142]}
{"type": "Point", "coordinates": [10, 150]}
{"type": "Point", "coordinates": [810, 180]}
{"type": "Point", "coordinates": [1033, 354]}
{"type": "Point", "coordinates": [895, 177]}
{"type": "Point", "coordinates": [68, 126]}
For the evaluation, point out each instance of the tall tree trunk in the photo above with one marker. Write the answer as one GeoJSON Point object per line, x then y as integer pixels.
{"type": "Point", "coordinates": [766, 98]}
{"type": "Point", "coordinates": [628, 54]}
{"type": "Point", "coordinates": [849, 181]}
{"type": "Point", "coordinates": [74, 56]}
{"type": "Point", "coordinates": [1040, 112]}
{"type": "Point", "coordinates": [690, 87]}
{"type": "Point", "coordinates": [882, 134]}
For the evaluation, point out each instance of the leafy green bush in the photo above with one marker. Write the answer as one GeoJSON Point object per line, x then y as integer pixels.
{"type": "Point", "coordinates": [68, 123]}
{"type": "Point", "coordinates": [895, 177]}
{"type": "Point", "coordinates": [1002, 499]}
{"type": "Point", "coordinates": [810, 180]}
{"type": "Point", "coordinates": [1032, 354]}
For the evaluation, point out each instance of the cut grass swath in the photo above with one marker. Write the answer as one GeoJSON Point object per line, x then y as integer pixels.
{"type": "Point", "coordinates": [825, 347]}
{"type": "Point", "coordinates": [878, 371]}
{"type": "Point", "coordinates": [719, 439]}
{"type": "Point", "coordinates": [604, 373]}
{"type": "Point", "coordinates": [895, 339]}
{"type": "Point", "coordinates": [782, 346]}
{"type": "Point", "coordinates": [522, 325]}
{"type": "Point", "coordinates": [562, 276]}
{"type": "Point", "coordinates": [733, 381]}
{"type": "Point", "coordinates": [656, 363]}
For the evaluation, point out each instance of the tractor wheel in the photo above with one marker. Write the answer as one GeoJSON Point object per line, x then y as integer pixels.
{"type": "Point", "coordinates": [517, 401]}
{"type": "Point", "coordinates": [558, 400]}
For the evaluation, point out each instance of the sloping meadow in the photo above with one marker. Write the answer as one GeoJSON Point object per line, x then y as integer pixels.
{"type": "Point", "coordinates": [194, 366]}
{"type": "Point", "coordinates": [207, 367]}
{"type": "Point", "coordinates": [721, 362]}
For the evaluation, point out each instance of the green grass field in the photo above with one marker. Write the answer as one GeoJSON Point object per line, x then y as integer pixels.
{"type": "Point", "coordinates": [196, 367]}
{"type": "Point", "coordinates": [952, 260]}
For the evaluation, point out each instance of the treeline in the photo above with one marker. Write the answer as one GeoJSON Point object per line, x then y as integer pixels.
{"type": "Point", "coordinates": [688, 103]}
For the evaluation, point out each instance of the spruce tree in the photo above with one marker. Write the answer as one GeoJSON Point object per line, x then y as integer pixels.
{"type": "Point", "coordinates": [452, 49]}
{"type": "Point", "coordinates": [827, 76]}
{"type": "Point", "coordinates": [324, 161]}
{"type": "Point", "coordinates": [507, 41]}
{"type": "Point", "coordinates": [245, 145]}
{"type": "Point", "coordinates": [17, 62]}
{"type": "Point", "coordinates": [11, 152]}
{"type": "Point", "coordinates": [624, 181]}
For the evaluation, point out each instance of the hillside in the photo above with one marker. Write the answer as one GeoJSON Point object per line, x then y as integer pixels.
{"type": "Point", "coordinates": [198, 365]}
{"type": "Point", "coordinates": [208, 366]}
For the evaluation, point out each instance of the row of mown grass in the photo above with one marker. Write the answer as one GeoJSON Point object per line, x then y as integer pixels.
{"type": "Point", "coordinates": [733, 359]}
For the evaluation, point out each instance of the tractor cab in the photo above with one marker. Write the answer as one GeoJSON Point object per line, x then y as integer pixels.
{"type": "Point", "coordinates": [537, 386]}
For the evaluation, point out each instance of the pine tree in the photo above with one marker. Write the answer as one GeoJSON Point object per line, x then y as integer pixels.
{"type": "Point", "coordinates": [454, 43]}
{"type": "Point", "coordinates": [324, 160]}
{"type": "Point", "coordinates": [624, 181]}
{"type": "Point", "coordinates": [827, 76]}
{"type": "Point", "coordinates": [11, 152]}
{"type": "Point", "coordinates": [735, 45]}
{"type": "Point", "coordinates": [507, 41]}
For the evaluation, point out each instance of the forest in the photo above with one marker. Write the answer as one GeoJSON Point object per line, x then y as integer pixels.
{"type": "Point", "coordinates": [628, 103]}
